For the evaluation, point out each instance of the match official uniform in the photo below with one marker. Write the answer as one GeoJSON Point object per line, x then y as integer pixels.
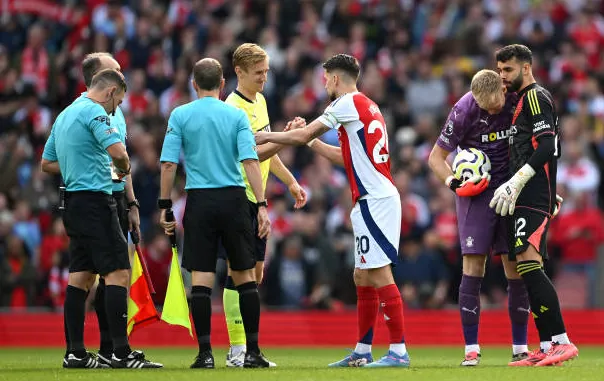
{"type": "Point", "coordinates": [534, 119]}
{"type": "Point", "coordinates": [118, 121]}
{"type": "Point", "coordinates": [78, 141]}
{"type": "Point", "coordinates": [215, 138]}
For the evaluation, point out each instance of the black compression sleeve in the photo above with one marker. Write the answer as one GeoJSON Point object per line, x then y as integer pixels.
{"type": "Point", "coordinates": [544, 151]}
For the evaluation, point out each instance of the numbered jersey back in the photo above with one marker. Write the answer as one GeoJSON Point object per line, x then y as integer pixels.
{"type": "Point", "coordinates": [364, 142]}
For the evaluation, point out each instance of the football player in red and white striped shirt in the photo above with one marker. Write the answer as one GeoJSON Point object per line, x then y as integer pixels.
{"type": "Point", "coordinates": [376, 215]}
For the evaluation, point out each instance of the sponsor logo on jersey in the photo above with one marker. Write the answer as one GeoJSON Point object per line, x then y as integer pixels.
{"type": "Point", "coordinates": [494, 136]}
{"type": "Point", "coordinates": [540, 125]}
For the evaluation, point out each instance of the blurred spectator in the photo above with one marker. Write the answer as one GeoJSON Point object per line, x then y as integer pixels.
{"type": "Point", "coordinates": [158, 255]}
{"type": "Point", "coordinates": [579, 234]}
{"type": "Point", "coordinates": [576, 171]}
{"type": "Point", "coordinates": [18, 280]}
{"type": "Point", "coordinates": [290, 277]}
{"type": "Point", "coordinates": [416, 56]}
{"type": "Point", "coordinates": [421, 274]}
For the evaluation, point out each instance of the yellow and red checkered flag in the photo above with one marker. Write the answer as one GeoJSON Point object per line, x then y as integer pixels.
{"type": "Point", "coordinates": [141, 310]}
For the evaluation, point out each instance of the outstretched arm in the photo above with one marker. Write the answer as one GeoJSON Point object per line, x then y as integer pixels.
{"type": "Point", "coordinates": [296, 137]}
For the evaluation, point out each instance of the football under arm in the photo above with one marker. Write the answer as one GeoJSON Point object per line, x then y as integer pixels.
{"type": "Point", "coordinates": [438, 163]}
{"type": "Point", "coordinates": [51, 167]}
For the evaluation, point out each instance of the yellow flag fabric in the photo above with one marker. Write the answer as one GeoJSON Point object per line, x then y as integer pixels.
{"type": "Point", "coordinates": [141, 310]}
{"type": "Point", "coordinates": [176, 308]}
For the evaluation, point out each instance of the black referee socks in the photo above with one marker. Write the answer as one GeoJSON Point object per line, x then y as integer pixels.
{"type": "Point", "coordinates": [116, 305]}
{"type": "Point", "coordinates": [74, 310]}
{"type": "Point", "coordinates": [201, 309]}
{"type": "Point", "coordinates": [249, 305]}
{"type": "Point", "coordinates": [543, 300]}
{"type": "Point", "coordinates": [106, 347]}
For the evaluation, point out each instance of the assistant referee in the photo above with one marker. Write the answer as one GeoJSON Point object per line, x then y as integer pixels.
{"type": "Point", "coordinates": [215, 138]}
{"type": "Point", "coordinates": [77, 147]}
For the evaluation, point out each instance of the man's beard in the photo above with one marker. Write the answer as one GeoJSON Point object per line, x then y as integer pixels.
{"type": "Point", "coordinates": [515, 85]}
{"type": "Point", "coordinates": [332, 96]}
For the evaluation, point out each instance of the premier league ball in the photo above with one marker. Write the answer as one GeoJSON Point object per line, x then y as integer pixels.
{"type": "Point", "coordinates": [469, 163]}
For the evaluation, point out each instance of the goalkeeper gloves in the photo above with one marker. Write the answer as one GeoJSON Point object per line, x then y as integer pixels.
{"type": "Point", "coordinates": [471, 187]}
{"type": "Point", "coordinates": [504, 199]}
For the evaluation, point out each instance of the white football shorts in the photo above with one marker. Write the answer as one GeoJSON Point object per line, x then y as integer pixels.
{"type": "Point", "coordinates": [376, 224]}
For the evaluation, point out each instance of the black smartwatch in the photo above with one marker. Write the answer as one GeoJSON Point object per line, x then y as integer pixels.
{"type": "Point", "coordinates": [134, 203]}
{"type": "Point", "coordinates": [262, 203]}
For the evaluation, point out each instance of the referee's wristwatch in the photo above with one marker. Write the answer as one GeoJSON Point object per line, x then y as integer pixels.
{"type": "Point", "coordinates": [262, 203]}
{"type": "Point", "coordinates": [134, 203]}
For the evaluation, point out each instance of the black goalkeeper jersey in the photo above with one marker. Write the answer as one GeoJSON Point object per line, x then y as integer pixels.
{"type": "Point", "coordinates": [534, 117]}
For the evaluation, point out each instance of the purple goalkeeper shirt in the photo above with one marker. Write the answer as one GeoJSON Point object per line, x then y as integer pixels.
{"type": "Point", "coordinates": [470, 126]}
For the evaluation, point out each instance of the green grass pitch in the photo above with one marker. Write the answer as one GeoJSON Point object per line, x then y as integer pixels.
{"type": "Point", "coordinates": [427, 363]}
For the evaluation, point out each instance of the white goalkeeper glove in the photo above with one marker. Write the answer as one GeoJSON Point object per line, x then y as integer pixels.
{"type": "Point", "coordinates": [504, 199]}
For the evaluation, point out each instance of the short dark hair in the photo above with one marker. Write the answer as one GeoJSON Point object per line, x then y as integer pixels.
{"type": "Point", "coordinates": [207, 73]}
{"type": "Point", "coordinates": [344, 62]}
{"type": "Point", "coordinates": [91, 65]}
{"type": "Point", "coordinates": [108, 77]}
{"type": "Point", "coordinates": [521, 52]}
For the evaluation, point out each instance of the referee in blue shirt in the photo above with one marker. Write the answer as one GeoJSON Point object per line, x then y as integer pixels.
{"type": "Point", "coordinates": [123, 193]}
{"type": "Point", "coordinates": [215, 138]}
{"type": "Point", "coordinates": [81, 146]}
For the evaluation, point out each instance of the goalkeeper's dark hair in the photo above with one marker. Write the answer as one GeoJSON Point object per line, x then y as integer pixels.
{"type": "Point", "coordinates": [345, 63]}
{"type": "Point", "coordinates": [91, 65]}
{"type": "Point", "coordinates": [521, 52]}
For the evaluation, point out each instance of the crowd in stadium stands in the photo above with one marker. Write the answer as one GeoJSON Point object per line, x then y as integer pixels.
{"type": "Point", "coordinates": [417, 59]}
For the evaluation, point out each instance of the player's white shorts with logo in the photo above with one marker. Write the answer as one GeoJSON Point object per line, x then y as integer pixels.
{"type": "Point", "coordinates": [376, 224]}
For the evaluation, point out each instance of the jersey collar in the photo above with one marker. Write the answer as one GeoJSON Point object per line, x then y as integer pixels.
{"type": "Point", "coordinates": [243, 96]}
{"type": "Point", "coordinates": [524, 91]}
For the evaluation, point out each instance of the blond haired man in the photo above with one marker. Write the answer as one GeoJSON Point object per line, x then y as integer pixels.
{"type": "Point", "coordinates": [482, 119]}
{"type": "Point", "coordinates": [251, 65]}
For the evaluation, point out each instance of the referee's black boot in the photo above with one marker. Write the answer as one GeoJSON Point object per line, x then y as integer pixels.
{"type": "Point", "coordinates": [255, 360]}
{"type": "Point", "coordinates": [204, 360]}
{"type": "Point", "coordinates": [89, 361]}
{"type": "Point", "coordinates": [134, 360]}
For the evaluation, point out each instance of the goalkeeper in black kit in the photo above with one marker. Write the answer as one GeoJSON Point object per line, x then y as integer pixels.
{"type": "Point", "coordinates": [530, 198]}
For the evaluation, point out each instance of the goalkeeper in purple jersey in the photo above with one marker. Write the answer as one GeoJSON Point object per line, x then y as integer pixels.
{"type": "Point", "coordinates": [481, 119]}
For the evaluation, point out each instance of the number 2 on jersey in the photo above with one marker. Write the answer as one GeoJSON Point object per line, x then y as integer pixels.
{"type": "Point", "coordinates": [378, 157]}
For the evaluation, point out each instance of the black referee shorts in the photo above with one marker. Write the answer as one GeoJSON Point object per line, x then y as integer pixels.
{"type": "Point", "coordinates": [122, 211]}
{"type": "Point", "coordinates": [259, 243]}
{"type": "Point", "coordinates": [97, 243]}
{"type": "Point", "coordinates": [213, 215]}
